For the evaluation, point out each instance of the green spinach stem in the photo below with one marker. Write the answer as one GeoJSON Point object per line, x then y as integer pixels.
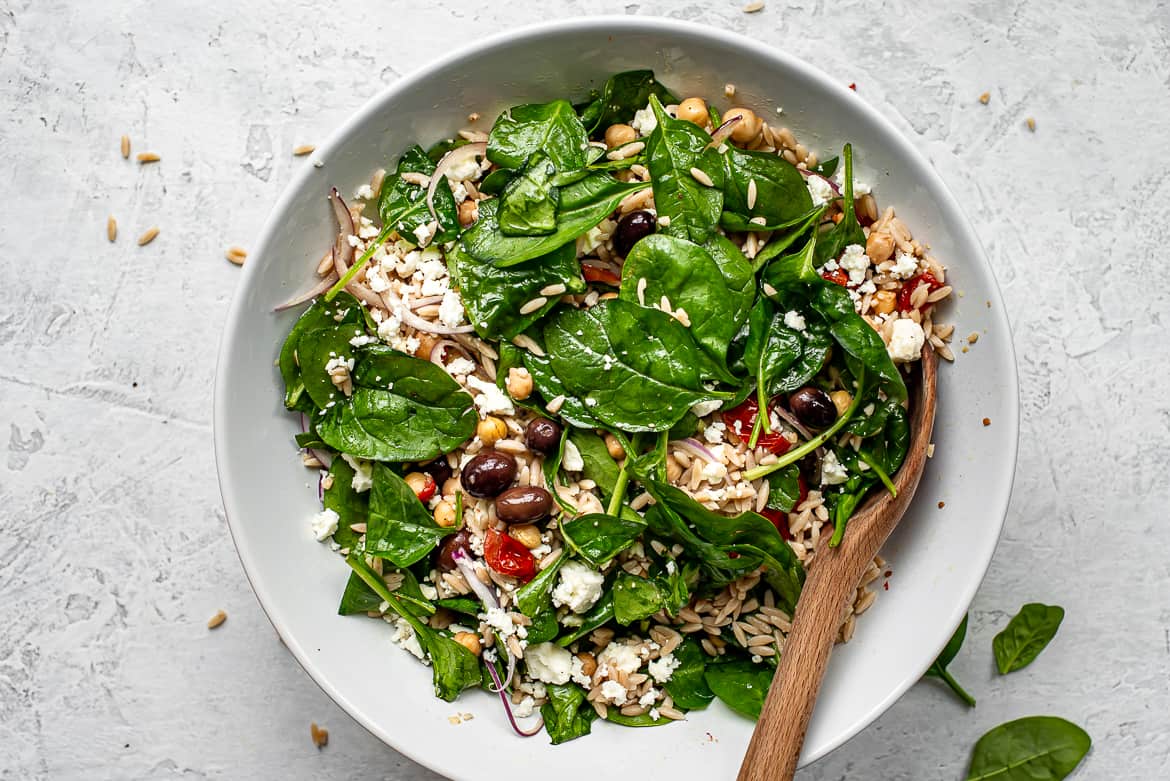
{"type": "Point", "coordinates": [623, 478]}
{"type": "Point", "coordinates": [877, 470]}
{"type": "Point", "coordinates": [955, 687]}
{"type": "Point", "coordinates": [358, 264]}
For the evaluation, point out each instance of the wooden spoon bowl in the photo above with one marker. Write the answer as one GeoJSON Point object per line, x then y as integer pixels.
{"type": "Point", "coordinates": [832, 581]}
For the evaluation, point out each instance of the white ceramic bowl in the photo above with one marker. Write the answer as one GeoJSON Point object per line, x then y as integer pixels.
{"type": "Point", "coordinates": [938, 556]}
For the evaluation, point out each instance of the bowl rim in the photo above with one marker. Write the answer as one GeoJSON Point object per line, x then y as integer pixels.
{"type": "Point", "coordinates": [947, 203]}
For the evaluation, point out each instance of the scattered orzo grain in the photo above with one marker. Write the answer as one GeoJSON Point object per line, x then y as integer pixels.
{"type": "Point", "coordinates": [701, 177]}
{"type": "Point", "coordinates": [125, 147]}
{"type": "Point", "coordinates": [1031, 123]}
{"type": "Point", "coordinates": [320, 735]}
{"type": "Point", "coordinates": [973, 337]}
{"type": "Point", "coordinates": [987, 421]}
{"type": "Point", "coordinates": [303, 149]}
{"type": "Point", "coordinates": [752, 8]}
{"type": "Point", "coordinates": [985, 98]}
{"type": "Point", "coordinates": [148, 237]}
{"type": "Point", "coordinates": [533, 305]}
{"type": "Point", "coordinates": [111, 228]}
{"type": "Point", "coordinates": [729, 90]}
{"type": "Point", "coordinates": [236, 255]}
{"type": "Point", "coordinates": [216, 620]}
{"type": "Point", "coordinates": [148, 157]}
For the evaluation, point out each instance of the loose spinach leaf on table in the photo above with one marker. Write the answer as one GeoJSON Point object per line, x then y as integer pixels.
{"type": "Point", "coordinates": [552, 128]}
{"type": "Point", "coordinates": [688, 685]}
{"type": "Point", "coordinates": [949, 651]}
{"type": "Point", "coordinates": [402, 409]}
{"type": "Point", "coordinates": [597, 537]}
{"type": "Point", "coordinates": [400, 528]}
{"type": "Point", "coordinates": [402, 205]}
{"type": "Point", "coordinates": [1025, 636]}
{"type": "Point", "coordinates": [494, 296]}
{"type": "Point", "coordinates": [566, 714]}
{"type": "Point", "coordinates": [623, 94]}
{"type": "Point", "coordinates": [528, 203]}
{"type": "Point", "coordinates": [672, 151]}
{"type": "Point", "coordinates": [1034, 748]}
{"type": "Point", "coordinates": [583, 204]}
{"type": "Point", "coordinates": [635, 598]}
{"type": "Point", "coordinates": [716, 295]}
{"type": "Point", "coordinates": [781, 195]}
{"type": "Point", "coordinates": [342, 310]}
{"type": "Point", "coordinates": [741, 685]}
{"type": "Point", "coordinates": [848, 230]}
{"type": "Point", "coordinates": [637, 369]}
{"type": "Point", "coordinates": [350, 506]}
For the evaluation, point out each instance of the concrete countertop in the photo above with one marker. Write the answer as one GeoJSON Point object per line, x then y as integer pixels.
{"type": "Point", "coordinates": [115, 551]}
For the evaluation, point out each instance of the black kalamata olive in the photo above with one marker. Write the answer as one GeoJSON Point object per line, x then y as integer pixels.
{"type": "Point", "coordinates": [630, 228]}
{"type": "Point", "coordinates": [813, 407]}
{"type": "Point", "coordinates": [460, 540]}
{"type": "Point", "coordinates": [439, 470]}
{"type": "Point", "coordinates": [523, 504]}
{"type": "Point", "coordinates": [543, 435]}
{"type": "Point", "coordinates": [488, 473]}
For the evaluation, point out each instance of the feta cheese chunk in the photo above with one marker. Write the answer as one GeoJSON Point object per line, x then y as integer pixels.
{"type": "Point", "coordinates": [363, 473]}
{"type": "Point", "coordinates": [579, 587]}
{"type": "Point", "coordinates": [325, 524]}
{"type": "Point", "coordinates": [451, 309]}
{"type": "Point", "coordinates": [548, 662]}
{"type": "Point", "coordinates": [833, 472]}
{"type": "Point", "coordinates": [819, 188]}
{"type": "Point", "coordinates": [490, 399]}
{"type": "Point", "coordinates": [572, 460]}
{"type": "Point", "coordinates": [661, 669]}
{"type": "Point", "coordinates": [614, 692]}
{"type": "Point", "coordinates": [705, 408]}
{"type": "Point", "coordinates": [795, 320]}
{"type": "Point", "coordinates": [856, 262]}
{"type": "Point", "coordinates": [906, 341]}
{"type": "Point", "coordinates": [905, 265]}
{"type": "Point", "coordinates": [619, 657]}
{"type": "Point", "coordinates": [644, 121]}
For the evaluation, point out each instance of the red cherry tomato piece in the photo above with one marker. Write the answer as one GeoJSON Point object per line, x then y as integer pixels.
{"type": "Point", "coordinates": [838, 276]}
{"type": "Point", "coordinates": [605, 276]}
{"type": "Point", "coordinates": [779, 519]}
{"type": "Point", "coordinates": [908, 288]}
{"type": "Point", "coordinates": [428, 490]}
{"type": "Point", "coordinates": [508, 556]}
{"type": "Point", "coordinates": [745, 415]}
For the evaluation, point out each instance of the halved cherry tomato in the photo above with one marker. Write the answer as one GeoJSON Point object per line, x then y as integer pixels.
{"type": "Point", "coordinates": [508, 556]}
{"type": "Point", "coordinates": [838, 275]}
{"type": "Point", "coordinates": [602, 274]}
{"type": "Point", "coordinates": [745, 416]}
{"type": "Point", "coordinates": [779, 519]}
{"type": "Point", "coordinates": [908, 288]}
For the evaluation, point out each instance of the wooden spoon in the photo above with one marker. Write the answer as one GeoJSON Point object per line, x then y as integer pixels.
{"type": "Point", "coordinates": [832, 581]}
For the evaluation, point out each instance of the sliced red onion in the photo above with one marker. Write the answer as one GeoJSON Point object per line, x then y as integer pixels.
{"type": "Point", "coordinates": [508, 706]}
{"type": "Point", "coordinates": [724, 131]}
{"type": "Point", "coordinates": [419, 303]}
{"type": "Point", "coordinates": [791, 420]}
{"type": "Point", "coordinates": [696, 448]}
{"type": "Point", "coordinates": [342, 249]}
{"type": "Point", "coordinates": [448, 161]}
{"type": "Point", "coordinates": [325, 459]}
{"type": "Point", "coordinates": [478, 345]}
{"type": "Point", "coordinates": [488, 597]}
{"type": "Point", "coordinates": [324, 284]}
{"type": "Point", "coordinates": [441, 346]}
{"type": "Point", "coordinates": [418, 323]}
{"type": "Point", "coordinates": [809, 174]}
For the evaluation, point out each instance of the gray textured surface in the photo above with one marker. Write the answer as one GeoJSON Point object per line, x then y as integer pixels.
{"type": "Point", "coordinates": [114, 549]}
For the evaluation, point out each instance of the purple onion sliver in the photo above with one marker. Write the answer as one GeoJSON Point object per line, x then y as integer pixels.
{"type": "Point", "coordinates": [508, 706]}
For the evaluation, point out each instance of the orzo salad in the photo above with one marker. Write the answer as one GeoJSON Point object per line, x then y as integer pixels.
{"type": "Point", "coordinates": [586, 388]}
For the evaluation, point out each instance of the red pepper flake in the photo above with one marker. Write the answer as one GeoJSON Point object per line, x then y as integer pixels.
{"type": "Point", "coordinates": [853, 86]}
{"type": "Point", "coordinates": [942, 505]}
{"type": "Point", "coordinates": [888, 573]}
{"type": "Point", "coordinates": [987, 421]}
{"type": "Point", "coordinates": [886, 586]}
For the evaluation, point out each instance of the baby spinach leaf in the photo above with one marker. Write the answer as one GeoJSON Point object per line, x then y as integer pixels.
{"type": "Point", "coordinates": [784, 488]}
{"type": "Point", "coordinates": [949, 651]}
{"type": "Point", "coordinates": [553, 128]}
{"type": "Point", "coordinates": [741, 685]}
{"type": "Point", "coordinates": [314, 352]}
{"type": "Point", "coordinates": [600, 467]}
{"type": "Point", "coordinates": [400, 528]}
{"type": "Point", "coordinates": [1025, 636]}
{"type": "Point", "coordinates": [597, 537]}
{"type": "Point", "coordinates": [455, 667]}
{"type": "Point", "coordinates": [358, 598]}
{"type": "Point", "coordinates": [343, 310]}
{"type": "Point", "coordinates": [1034, 748]}
{"type": "Point", "coordinates": [494, 296]}
{"type": "Point", "coordinates": [462, 605]}
{"type": "Point", "coordinates": [793, 273]}
{"type": "Point", "coordinates": [350, 506]}
{"type": "Point", "coordinates": [402, 409]}
{"type": "Point", "coordinates": [645, 720]}
{"type": "Point", "coordinates": [782, 241]}
{"type": "Point", "coordinates": [771, 348]}
{"type": "Point", "coordinates": [672, 150]}
{"type": "Point", "coordinates": [534, 595]}
{"type": "Point", "coordinates": [688, 685]}
{"type": "Point", "coordinates": [494, 182]}
{"type": "Point", "coordinates": [583, 205]}
{"type": "Point", "coordinates": [737, 222]}
{"type": "Point", "coordinates": [436, 150]}
{"type": "Point", "coordinates": [781, 196]}
{"type": "Point", "coordinates": [622, 96]}
{"type": "Point", "coordinates": [857, 337]}
{"type": "Point", "coordinates": [403, 205]}
{"type": "Point", "coordinates": [598, 615]}
{"type": "Point", "coordinates": [826, 168]}
{"type": "Point", "coordinates": [715, 294]}
{"type": "Point", "coordinates": [550, 386]}
{"type": "Point", "coordinates": [544, 626]}
{"type": "Point", "coordinates": [528, 204]}
{"type": "Point", "coordinates": [566, 714]}
{"type": "Point", "coordinates": [848, 230]}
{"type": "Point", "coordinates": [635, 598]}
{"type": "Point", "coordinates": [639, 367]}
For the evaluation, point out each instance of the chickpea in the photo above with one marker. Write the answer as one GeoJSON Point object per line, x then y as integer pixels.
{"type": "Point", "coordinates": [419, 482]}
{"type": "Point", "coordinates": [490, 430]}
{"type": "Point", "coordinates": [526, 534]}
{"type": "Point", "coordinates": [445, 514]}
{"type": "Point", "coordinates": [451, 486]}
{"type": "Point", "coordinates": [588, 663]}
{"type": "Point", "coordinates": [468, 640]}
{"type": "Point", "coordinates": [616, 451]}
{"type": "Point", "coordinates": [879, 246]}
{"type": "Point", "coordinates": [619, 134]}
{"type": "Point", "coordinates": [694, 110]}
{"type": "Point", "coordinates": [747, 128]}
{"type": "Point", "coordinates": [841, 400]}
{"type": "Point", "coordinates": [674, 470]}
{"type": "Point", "coordinates": [468, 212]}
{"type": "Point", "coordinates": [426, 343]}
{"type": "Point", "coordinates": [519, 383]}
{"type": "Point", "coordinates": [884, 302]}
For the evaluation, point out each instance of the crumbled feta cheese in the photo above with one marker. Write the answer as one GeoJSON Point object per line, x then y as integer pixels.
{"type": "Point", "coordinates": [833, 472]}
{"type": "Point", "coordinates": [405, 637]}
{"type": "Point", "coordinates": [867, 287]}
{"type": "Point", "coordinates": [654, 714]}
{"type": "Point", "coordinates": [856, 262]}
{"type": "Point", "coordinates": [425, 232]}
{"type": "Point", "coordinates": [363, 473]}
{"type": "Point", "coordinates": [860, 188]}
{"type": "Point", "coordinates": [714, 432]}
{"type": "Point", "coordinates": [361, 340]}
{"type": "Point", "coordinates": [451, 309]}
{"type": "Point", "coordinates": [525, 708]}
{"type": "Point", "coordinates": [905, 265]}
{"type": "Point", "coordinates": [407, 263]}
{"type": "Point", "coordinates": [365, 192]}
{"type": "Point", "coordinates": [577, 674]}
{"type": "Point", "coordinates": [906, 340]}
{"type": "Point", "coordinates": [649, 697]}
{"type": "Point", "coordinates": [661, 669]}
{"type": "Point", "coordinates": [579, 587]}
{"type": "Point", "coordinates": [644, 121]}
{"type": "Point", "coordinates": [572, 460]}
{"type": "Point", "coordinates": [819, 188]}
{"type": "Point", "coordinates": [490, 399]}
{"type": "Point", "coordinates": [465, 169]}
{"type": "Point", "coordinates": [619, 657]}
{"type": "Point", "coordinates": [459, 192]}
{"type": "Point", "coordinates": [705, 408]}
{"type": "Point", "coordinates": [614, 692]}
{"type": "Point", "coordinates": [460, 366]}
{"type": "Point", "coordinates": [389, 328]}
{"type": "Point", "coordinates": [713, 472]}
{"type": "Point", "coordinates": [795, 320]}
{"type": "Point", "coordinates": [593, 238]}
{"type": "Point", "coordinates": [548, 662]}
{"type": "Point", "coordinates": [325, 524]}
